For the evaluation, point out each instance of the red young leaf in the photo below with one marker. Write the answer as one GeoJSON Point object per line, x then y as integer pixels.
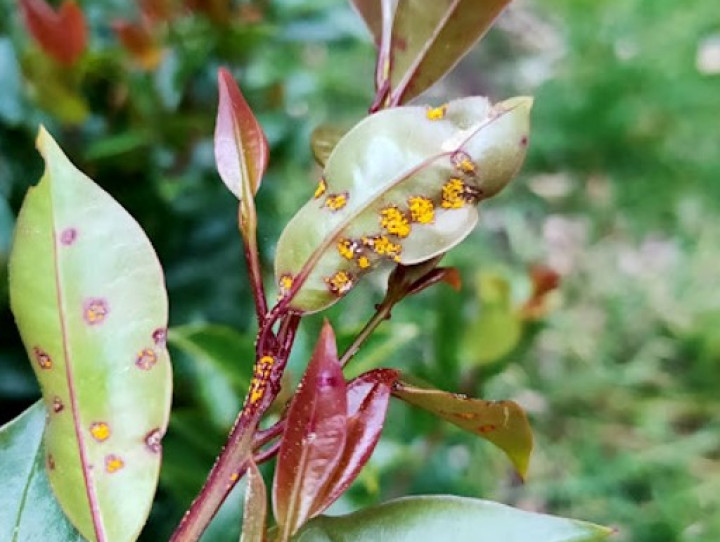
{"type": "Point", "coordinates": [137, 39]}
{"type": "Point", "coordinates": [314, 439]}
{"type": "Point", "coordinates": [368, 398]}
{"type": "Point", "coordinates": [371, 13]}
{"type": "Point", "coordinates": [429, 38]}
{"type": "Point", "coordinates": [448, 275]}
{"type": "Point", "coordinates": [61, 34]}
{"type": "Point", "coordinates": [241, 149]}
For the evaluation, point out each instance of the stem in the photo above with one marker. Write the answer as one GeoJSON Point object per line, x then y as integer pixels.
{"type": "Point", "coordinates": [248, 230]}
{"type": "Point", "coordinates": [381, 314]}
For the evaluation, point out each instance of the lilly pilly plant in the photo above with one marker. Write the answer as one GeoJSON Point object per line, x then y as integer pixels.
{"type": "Point", "coordinates": [398, 190]}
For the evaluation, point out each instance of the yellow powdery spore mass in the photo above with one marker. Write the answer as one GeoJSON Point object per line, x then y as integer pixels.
{"type": "Point", "coordinates": [422, 210]}
{"type": "Point", "coordinates": [452, 194]}
{"type": "Point", "coordinates": [100, 431]}
{"type": "Point", "coordinates": [321, 188]}
{"type": "Point", "coordinates": [260, 378]}
{"type": "Point", "coordinates": [436, 113]}
{"type": "Point", "coordinates": [340, 283]}
{"type": "Point", "coordinates": [394, 221]}
{"type": "Point", "coordinates": [346, 248]}
{"type": "Point", "coordinates": [113, 463]}
{"type": "Point", "coordinates": [363, 262]}
{"type": "Point", "coordinates": [285, 283]}
{"type": "Point", "coordinates": [335, 202]}
{"type": "Point", "coordinates": [384, 247]}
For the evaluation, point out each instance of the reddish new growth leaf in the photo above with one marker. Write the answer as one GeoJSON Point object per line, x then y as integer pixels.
{"type": "Point", "coordinates": [138, 40]}
{"type": "Point", "coordinates": [314, 440]}
{"type": "Point", "coordinates": [62, 34]}
{"type": "Point", "coordinates": [368, 397]}
{"type": "Point", "coordinates": [241, 149]}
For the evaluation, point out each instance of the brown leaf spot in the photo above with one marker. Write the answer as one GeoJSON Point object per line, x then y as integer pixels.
{"type": "Point", "coordinates": [50, 462]}
{"type": "Point", "coordinates": [68, 236]}
{"type": "Point", "coordinates": [463, 415]}
{"type": "Point", "coordinates": [524, 141]}
{"type": "Point", "coordinates": [159, 337]}
{"type": "Point", "coordinates": [43, 358]}
{"type": "Point", "coordinates": [153, 441]}
{"type": "Point", "coordinates": [146, 359]}
{"type": "Point", "coordinates": [95, 311]}
{"type": "Point", "coordinates": [57, 404]}
{"type": "Point", "coordinates": [487, 428]}
{"type": "Point", "coordinates": [100, 431]}
{"type": "Point", "coordinates": [113, 463]}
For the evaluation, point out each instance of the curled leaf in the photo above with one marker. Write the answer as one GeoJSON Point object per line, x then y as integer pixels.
{"type": "Point", "coordinates": [503, 423]}
{"type": "Point", "coordinates": [401, 186]}
{"type": "Point", "coordinates": [241, 149]}
{"type": "Point", "coordinates": [89, 299]}
{"type": "Point", "coordinates": [429, 38]}
{"type": "Point", "coordinates": [62, 34]}
{"type": "Point", "coordinates": [313, 442]}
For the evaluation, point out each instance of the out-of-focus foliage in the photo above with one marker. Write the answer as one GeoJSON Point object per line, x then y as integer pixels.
{"type": "Point", "coordinates": [620, 365]}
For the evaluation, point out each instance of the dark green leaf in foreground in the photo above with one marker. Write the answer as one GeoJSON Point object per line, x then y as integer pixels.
{"type": "Point", "coordinates": [400, 187]}
{"type": "Point", "coordinates": [29, 511]}
{"type": "Point", "coordinates": [88, 296]}
{"type": "Point", "coordinates": [455, 519]}
{"type": "Point", "coordinates": [503, 423]}
{"type": "Point", "coordinates": [429, 38]}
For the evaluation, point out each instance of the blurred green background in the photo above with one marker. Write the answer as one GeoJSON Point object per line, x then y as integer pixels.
{"type": "Point", "coordinates": [619, 367]}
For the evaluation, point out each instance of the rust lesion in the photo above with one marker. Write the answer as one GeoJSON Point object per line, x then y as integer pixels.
{"type": "Point", "coordinates": [260, 379]}
{"type": "Point", "coordinates": [436, 113]}
{"type": "Point", "coordinates": [394, 221]}
{"type": "Point", "coordinates": [340, 283]}
{"type": "Point", "coordinates": [335, 202]}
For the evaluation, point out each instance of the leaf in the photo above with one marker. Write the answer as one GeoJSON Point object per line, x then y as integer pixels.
{"type": "Point", "coordinates": [371, 13]}
{"type": "Point", "coordinates": [323, 140]}
{"type": "Point", "coordinates": [253, 527]}
{"type": "Point", "coordinates": [503, 423]}
{"type": "Point", "coordinates": [429, 38]}
{"type": "Point", "coordinates": [399, 187]}
{"type": "Point", "coordinates": [29, 511]}
{"type": "Point", "coordinates": [313, 442]}
{"type": "Point", "coordinates": [241, 149]}
{"type": "Point", "coordinates": [460, 519]}
{"type": "Point", "coordinates": [138, 40]}
{"type": "Point", "coordinates": [89, 299]}
{"type": "Point", "coordinates": [368, 398]}
{"type": "Point", "coordinates": [61, 34]}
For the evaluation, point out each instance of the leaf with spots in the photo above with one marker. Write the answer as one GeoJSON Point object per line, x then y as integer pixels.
{"type": "Point", "coordinates": [88, 296]}
{"type": "Point", "coordinates": [29, 511]}
{"type": "Point", "coordinates": [443, 517]}
{"type": "Point", "coordinates": [313, 442]}
{"type": "Point", "coordinates": [401, 186]}
{"type": "Point", "coordinates": [504, 423]}
{"type": "Point", "coordinates": [429, 38]}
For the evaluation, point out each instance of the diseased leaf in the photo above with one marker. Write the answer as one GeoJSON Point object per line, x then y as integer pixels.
{"type": "Point", "coordinates": [62, 34]}
{"type": "Point", "coordinates": [460, 519]}
{"type": "Point", "coordinates": [503, 423]}
{"type": "Point", "coordinates": [253, 527]}
{"type": "Point", "coordinates": [429, 38]}
{"type": "Point", "coordinates": [401, 186]}
{"type": "Point", "coordinates": [88, 296]}
{"type": "Point", "coordinates": [313, 442]}
{"type": "Point", "coordinates": [241, 149]}
{"type": "Point", "coordinates": [368, 398]}
{"type": "Point", "coordinates": [29, 511]}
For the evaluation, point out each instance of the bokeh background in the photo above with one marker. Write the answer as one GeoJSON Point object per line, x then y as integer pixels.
{"type": "Point", "coordinates": [591, 288]}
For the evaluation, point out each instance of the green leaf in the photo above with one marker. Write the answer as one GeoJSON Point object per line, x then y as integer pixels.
{"type": "Point", "coordinates": [253, 527]}
{"type": "Point", "coordinates": [88, 296]}
{"type": "Point", "coordinates": [503, 423]}
{"type": "Point", "coordinates": [429, 519]}
{"type": "Point", "coordinates": [429, 38]}
{"type": "Point", "coordinates": [29, 511]}
{"type": "Point", "coordinates": [399, 187]}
